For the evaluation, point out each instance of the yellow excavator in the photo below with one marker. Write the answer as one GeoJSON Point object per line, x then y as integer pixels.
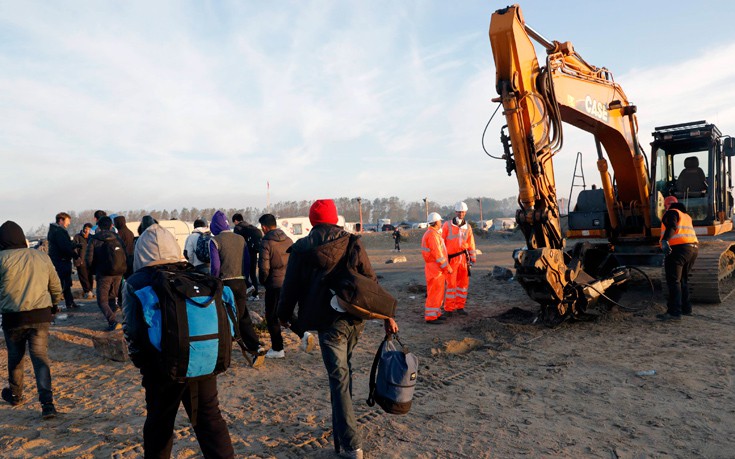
{"type": "Point", "coordinates": [690, 161]}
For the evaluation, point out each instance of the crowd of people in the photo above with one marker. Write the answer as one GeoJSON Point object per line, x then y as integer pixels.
{"type": "Point", "coordinates": [116, 268]}
{"type": "Point", "coordinates": [34, 286]}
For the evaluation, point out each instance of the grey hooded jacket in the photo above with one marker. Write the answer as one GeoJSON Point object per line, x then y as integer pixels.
{"type": "Point", "coordinates": [156, 246]}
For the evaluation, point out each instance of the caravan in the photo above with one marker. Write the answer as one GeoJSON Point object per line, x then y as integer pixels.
{"type": "Point", "coordinates": [298, 227]}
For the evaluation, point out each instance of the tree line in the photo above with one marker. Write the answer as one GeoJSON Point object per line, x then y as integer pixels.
{"type": "Point", "coordinates": [393, 208]}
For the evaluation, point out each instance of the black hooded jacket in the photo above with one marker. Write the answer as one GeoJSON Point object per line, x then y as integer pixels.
{"type": "Point", "coordinates": [95, 250]}
{"type": "Point", "coordinates": [311, 259]}
{"type": "Point", "coordinates": [126, 235]}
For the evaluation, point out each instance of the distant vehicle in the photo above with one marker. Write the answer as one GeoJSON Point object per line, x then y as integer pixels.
{"type": "Point", "coordinates": [404, 225]}
{"type": "Point", "coordinates": [420, 225]}
{"type": "Point", "coordinates": [382, 222]}
{"type": "Point", "coordinates": [180, 229]}
{"type": "Point", "coordinates": [298, 227]}
{"type": "Point", "coordinates": [387, 227]}
{"type": "Point", "coordinates": [485, 224]}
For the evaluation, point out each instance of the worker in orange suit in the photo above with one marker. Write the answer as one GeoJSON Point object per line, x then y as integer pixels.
{"type": "Point", "coordinates": [437, 269]}
{"type": "Point", "coordinates": [460, 243]}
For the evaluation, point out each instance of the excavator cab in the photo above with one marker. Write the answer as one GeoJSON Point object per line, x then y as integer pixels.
{"type": "Point", "coordinates": [691, 161]}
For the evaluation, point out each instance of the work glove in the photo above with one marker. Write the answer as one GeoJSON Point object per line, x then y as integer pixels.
{"type": "Point", "coordinates": [666, 247]}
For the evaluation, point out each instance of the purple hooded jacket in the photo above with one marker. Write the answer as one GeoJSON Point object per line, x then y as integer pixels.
{"type": "Point", "coordinates": [219, 224]}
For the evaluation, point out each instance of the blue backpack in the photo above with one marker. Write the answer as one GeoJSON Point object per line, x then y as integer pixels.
{"type": "Point", "coordinates": [393, 377]}
{"type": "Point", "coordinates": [191, 320]}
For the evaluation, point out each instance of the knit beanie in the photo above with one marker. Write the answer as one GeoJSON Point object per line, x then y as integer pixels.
{"type": "Point", "coordinates": [323, 211]}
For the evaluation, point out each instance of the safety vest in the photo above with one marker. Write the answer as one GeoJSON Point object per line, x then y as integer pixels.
{"type": "Point", "coordinates": [434, 251]}
{"type": "Point", "coordinates": [459, 238]}
{"type": "Point", "coordinates": [684, 233]}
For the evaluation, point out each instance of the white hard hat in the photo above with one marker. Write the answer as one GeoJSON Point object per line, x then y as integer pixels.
{"type": "Point", "coordinates": [460, 207]}
{"type": "Point", "coordinates": [434, 217]}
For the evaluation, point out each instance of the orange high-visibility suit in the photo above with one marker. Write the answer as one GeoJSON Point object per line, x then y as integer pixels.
{"type": "Point", "coordinates": [460, 244]}
{"type": "Point", "coordinates": [436, 271]}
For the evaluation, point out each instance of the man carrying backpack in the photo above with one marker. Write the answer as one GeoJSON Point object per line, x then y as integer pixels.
{"type": "Point", "coordinates": [253, 237]}
{"type": "Point", "coordinates": [106, 257]}
{"type": "Point", "coordinates": [230, 262]}
{"type": "Point", "coordinates": [156, 250]}
{"type": "Point", "coordinates": [311, 259]}
{"type": "Point", "coordinates": [196, 247]}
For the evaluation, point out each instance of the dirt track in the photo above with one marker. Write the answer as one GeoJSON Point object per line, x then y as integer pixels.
{"type": "Point", "coordinates": [486, 389]}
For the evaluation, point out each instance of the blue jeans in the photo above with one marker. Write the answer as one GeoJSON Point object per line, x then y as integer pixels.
{"type": "Point", "coordinates": [36, 336]}
{"type": "Point", "coordinates": [337, 343]}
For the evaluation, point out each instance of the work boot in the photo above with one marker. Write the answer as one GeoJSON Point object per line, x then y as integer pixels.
{"type": "Point", "coordinates": [48, 411]}
{"type": "Point", "coordinates": [438, 321]}
{"type": "Point", "coordinates": [668, 317]}
{"type": "Point", "coordinates": [308, 342]}
{"type": "Point", "coordinates": [254, 358]}
{"type": "Point", "coordinates": [8, 396]}
{"type": "Point", "coordinates": [354, 454]}
{"type": "Point", "coordinates": [461, 312]}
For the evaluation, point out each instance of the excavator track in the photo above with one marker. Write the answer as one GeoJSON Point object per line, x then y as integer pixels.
{"type": "Point", "coordinates": [712, 278]}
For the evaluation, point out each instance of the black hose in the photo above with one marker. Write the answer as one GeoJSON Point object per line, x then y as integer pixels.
{"type": "Point", "coordinates": [484, 131]}
{"type": "Point", "coordinates": [623, 307]}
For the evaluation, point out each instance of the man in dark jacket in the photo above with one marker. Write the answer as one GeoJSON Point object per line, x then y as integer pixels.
{"type": "Point", "coordinates": [108, 277]}
{"type": "Point", "coordinates": [61, 251]}
{"type": "Point", "coordinates": [128, 239]}
{"type": "Point", "coordinates": [252, 236]}
{"type": "Point", "coordinates": [229, 261]}
{"type": "Point", "coordinates": [311, 258]}
{"type": "Point", "coordinates": [157, 247]}
{"type": "Point", "coordinates": [86, 278]}
{"type": "Point", "coordinates": [272, 269]}
{"type": "Point", "coordinates": [29, 291]}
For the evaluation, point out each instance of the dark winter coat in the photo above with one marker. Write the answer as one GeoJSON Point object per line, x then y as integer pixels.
{"type": "Point", "coordinates": [253, 236]}
{"type": "Point", "coordinates": [95, 250]}
{"type": "Point", "coordinates": [60, 248]}
{"type": "Point", "coordinates": [125, 234]}
{"type": "Point", "coordinates": [311, 258]}
{"type": "Point", "coordinates": [273, 258]}
{"type": "Point", "coordinates": [81, 243]}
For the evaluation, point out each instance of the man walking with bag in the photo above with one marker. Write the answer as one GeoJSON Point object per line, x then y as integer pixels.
{"type": "Point", "coordinates": [106, 257]}
{"type": "Point", "coordinates": [311, 259]}
{"type": "Point", "coordinates": [157, 248]}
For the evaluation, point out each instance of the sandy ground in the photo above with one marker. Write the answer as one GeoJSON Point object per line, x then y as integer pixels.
{"type": "Point", "coordinates": [485, 389]}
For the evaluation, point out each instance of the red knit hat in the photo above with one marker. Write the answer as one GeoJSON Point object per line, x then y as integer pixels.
{"type": "Point", "coordinates": [670, 200]}
{"type": "Point", "coordinates": [323, 211]}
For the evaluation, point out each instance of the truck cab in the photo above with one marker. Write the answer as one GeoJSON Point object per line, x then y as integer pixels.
{"type": "Point", "coordinates": [692, 161]}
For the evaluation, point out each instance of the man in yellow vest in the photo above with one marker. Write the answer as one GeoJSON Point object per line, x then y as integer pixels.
{"type": "Point", "coordinates": [679, 244]}
{"type": "Point", "coordinates": [460, 242]}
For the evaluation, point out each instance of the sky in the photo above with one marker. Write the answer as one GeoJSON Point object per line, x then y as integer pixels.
{"type": "Point", "coordinates": [153, 105]}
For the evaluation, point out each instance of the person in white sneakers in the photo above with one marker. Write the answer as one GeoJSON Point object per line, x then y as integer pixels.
{"type": "Point", "coordinates": [274, 252]}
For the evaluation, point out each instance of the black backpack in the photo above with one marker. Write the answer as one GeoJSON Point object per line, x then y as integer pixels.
{"type": "Point", "coordinates": [356, 293]}
{"type": "Point", "coordinates": [114, 261]}
{"type": "Point", "coordinates": [202, 248]}
{"type": "Point", "coordinates": [393, 377]}
{"type": "Point", "coordinates": [192, 321]}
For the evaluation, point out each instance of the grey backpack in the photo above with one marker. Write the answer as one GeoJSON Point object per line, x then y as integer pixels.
{"type": "Point", "coordinates": [393, 377]}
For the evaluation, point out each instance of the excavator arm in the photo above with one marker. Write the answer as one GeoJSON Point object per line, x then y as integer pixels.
{"type": "Point", "coordinates": [536, 101]}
